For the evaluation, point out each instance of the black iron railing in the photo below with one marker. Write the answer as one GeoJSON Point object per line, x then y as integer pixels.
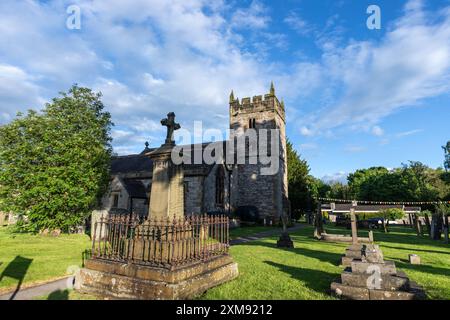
{"type": "Point", "coordinates": [163, 243]}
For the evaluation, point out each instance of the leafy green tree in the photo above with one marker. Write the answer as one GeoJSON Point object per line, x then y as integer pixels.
{"type": "Point", "coordinates": [54, 164]}
{"type": "Point", "coordinates": [390, 214]}
{"type": "Point", "coordinates": [298, 181]}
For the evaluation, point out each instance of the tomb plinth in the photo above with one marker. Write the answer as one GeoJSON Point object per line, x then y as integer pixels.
{"type": "Point", "coordinates": [373, 278]}
{"type": "Point", "coordinates": [167, 256]}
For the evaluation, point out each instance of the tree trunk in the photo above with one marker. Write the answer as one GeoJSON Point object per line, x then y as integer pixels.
{"type": "Point", "coordinates": [385, 225]}
{"type": "Point", "coordinates": [427, 222]}
{"type": "Point", "coordinates": [411, 224]}
{"type": "Point", "coordinates": [417, 225]}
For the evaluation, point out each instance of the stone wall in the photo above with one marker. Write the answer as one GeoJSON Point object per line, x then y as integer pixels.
{"type": "Point", "coordinates": [193, 194]}
{"type": "Point", "coordinates": [268, 193]}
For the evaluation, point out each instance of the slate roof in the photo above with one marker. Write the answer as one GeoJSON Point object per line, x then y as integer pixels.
{"type": "Point", "coordinates": [135, 188]}
{"type": "Point", "coordinates": [131, 163]}
{"type": "Point", "coordinates": [141, 163]}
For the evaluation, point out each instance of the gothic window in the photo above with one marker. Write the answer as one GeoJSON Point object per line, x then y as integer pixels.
{"type": "Point", "coordinates": [252, 123]}
{"type": "Point", "coordinates": [220, 192]}
{"type": "Point", "coordinates": [115, 201]}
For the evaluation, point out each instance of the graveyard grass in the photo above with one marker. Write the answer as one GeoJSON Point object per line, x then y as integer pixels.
{"type": "Point", "coordinates": [48, 257]}
{"type": "Point", "coordinates": [266, 272]}
{"type": "Point", "coordinates": [306, 271]}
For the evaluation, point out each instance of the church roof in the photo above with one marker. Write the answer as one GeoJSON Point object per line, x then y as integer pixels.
{"type": "Point", "coordinates": [135, 163]}
{"type": "Point", "coordinates": [135, 188]}
{"type": "Point", "coordinates": [131, 163]}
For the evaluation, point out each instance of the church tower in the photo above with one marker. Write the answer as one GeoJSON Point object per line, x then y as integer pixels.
{"type": "Point", "coordinates": [268, 193]}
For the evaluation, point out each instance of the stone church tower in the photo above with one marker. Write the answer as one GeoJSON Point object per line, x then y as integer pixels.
{"type": "Point", "coordinates": [268, 193]}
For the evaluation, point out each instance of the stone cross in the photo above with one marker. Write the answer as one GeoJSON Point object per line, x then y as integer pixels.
{"type": "Point", "coordinates": [353, 224]}
{"type": "Point", "coordinates": [171, 125]}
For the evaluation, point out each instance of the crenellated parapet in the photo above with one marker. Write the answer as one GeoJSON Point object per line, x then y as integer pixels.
{"type": "Point", "coordinates": [269, 102]}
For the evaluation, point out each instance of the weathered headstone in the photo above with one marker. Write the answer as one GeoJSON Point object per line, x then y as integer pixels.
{"type": "Point", "coordinates": [414, 259]}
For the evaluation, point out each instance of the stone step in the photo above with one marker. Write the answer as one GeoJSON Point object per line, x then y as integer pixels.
{"type": "Point", "coordinates": [388, 267]}
{"type": "Point", "coordinates": [353, 253]}
{"type": "Point", "coordinates": [387, 282]}
{"type": "Point", "coordinates": [356, 293]}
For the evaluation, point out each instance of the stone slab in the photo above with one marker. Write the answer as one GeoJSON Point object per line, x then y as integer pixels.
{"type": "Point", "coordinates": [342, 238]}
{"type": "Point", "coordinates": [391, 295]}
{"type": "Point", "coordinates": [388, 267]}
{"type": "Point", "coordinates": [158, 274]}
{"type": "Point", "coordinates": [116, 286]}
{"type": "Point", "coordinates": [388, 282]}
{"type": "Point", "coordinates": [348, 292]}
{"type": "Point", "coordinates": [346, 261]}
{"type": "Point", "coordinates": [356, 293]}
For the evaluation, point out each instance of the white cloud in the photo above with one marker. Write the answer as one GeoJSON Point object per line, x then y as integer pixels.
{"type": "Point", "coordinates": [305, 131]}
{"type": "Point", "coordinates": [340, 176]}
{"type": "Point", "coordinates": [298, 24]}
{"type": "Point", "coordinates": [255, 16]}
{"type": "Point", "coordinates": [410, 63]}
{"type": "Point", "coordinates": [17, 91]}
{"type": "Point", "coordinates": [408, 133]}
{"type": "Point", "coordinates": [377, 131]}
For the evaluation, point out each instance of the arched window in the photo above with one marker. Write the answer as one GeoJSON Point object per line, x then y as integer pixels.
{"type": "Point", "coordinates": [220, 181]}
{"type": "Point", "coordinates": [252, 123]}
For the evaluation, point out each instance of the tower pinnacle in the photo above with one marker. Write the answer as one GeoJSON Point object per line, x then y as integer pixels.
{"type": "Point", "coordinates": [272, 89]}
{"type": "Point", "coordinates": [231, 97]}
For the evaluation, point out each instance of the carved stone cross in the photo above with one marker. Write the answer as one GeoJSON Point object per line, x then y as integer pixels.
{"type": "Point", "coordinates": [171, 125]}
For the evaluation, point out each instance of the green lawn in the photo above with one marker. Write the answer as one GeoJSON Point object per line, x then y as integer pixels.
{"type": "Point", "coordinates": [266, 272]}
{"type": "Point", "coordinates": [35, 258]}
{"type": "Point", "coordinates": [306, 271]}
{"type": "Point", "coordinates": [247, 231]}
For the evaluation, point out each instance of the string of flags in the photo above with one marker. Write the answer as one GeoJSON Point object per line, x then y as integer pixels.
{"type": "Point", "coordinates": [381, 202]}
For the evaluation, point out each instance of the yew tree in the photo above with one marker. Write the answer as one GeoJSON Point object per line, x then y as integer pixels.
{"type": "Point", "coordinates": [54, 163]}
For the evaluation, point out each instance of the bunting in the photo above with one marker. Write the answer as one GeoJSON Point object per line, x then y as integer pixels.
{"type": "Point", "coordinates": [382, 202]}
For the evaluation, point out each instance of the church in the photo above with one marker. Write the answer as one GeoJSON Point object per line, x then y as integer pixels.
{"type": "Point", "coordinates": [212, 188]}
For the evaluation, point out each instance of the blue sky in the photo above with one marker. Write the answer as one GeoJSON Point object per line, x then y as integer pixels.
{"type": "Point", "coordinates": [355, 97]}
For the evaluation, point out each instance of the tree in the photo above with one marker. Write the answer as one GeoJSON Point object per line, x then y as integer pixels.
{"type": "Point", "coordinates": [54, 164]}
{"type": "Point", "coordinates": [447, 156]}
{"type": "Point", "coordinates": [390, 214]}
{"type": "Point", "coordinates": [298, 181]}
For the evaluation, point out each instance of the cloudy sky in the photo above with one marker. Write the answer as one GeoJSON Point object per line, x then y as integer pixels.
{"type": "Point", "coordinates": [355, 97]}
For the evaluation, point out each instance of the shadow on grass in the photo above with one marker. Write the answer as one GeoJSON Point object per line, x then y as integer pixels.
{"type": "Point", "coordinates": [59, 295]}
{"type": "Point", "coordinates": [16, 269]}
{"type": "Point", "coordinates": [415, 249]}
{"type": "Point", "coordinates": [422, 268]}
{"type": "Point", "coordinates": [316, 280]}
{"type": "Point", "coordinates": [330, 257]}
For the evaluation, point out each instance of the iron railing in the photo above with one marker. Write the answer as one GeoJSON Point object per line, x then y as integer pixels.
{"type": "Point", "coordinates": [164, 243]}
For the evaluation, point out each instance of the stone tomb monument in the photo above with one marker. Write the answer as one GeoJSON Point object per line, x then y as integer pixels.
{"type": "Point", "coordinates": [167, 256]}
{"type": "Point", "coordinates": [369, 277]}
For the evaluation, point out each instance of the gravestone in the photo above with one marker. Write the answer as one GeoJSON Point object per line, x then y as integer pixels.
{"type": "Point", "coordinates": [373, 278]}
{"type": "Point", "coordinates": [166, 256]}
{"type": "Point", "coordinates": [167, 195]}
{"type": "Point", "coordinates": [354, 251]}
